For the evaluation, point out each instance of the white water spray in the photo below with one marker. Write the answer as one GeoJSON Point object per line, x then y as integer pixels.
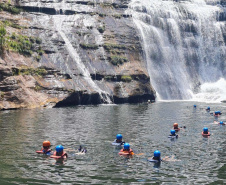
{"type": "Point", "coordinates": [212, 92]}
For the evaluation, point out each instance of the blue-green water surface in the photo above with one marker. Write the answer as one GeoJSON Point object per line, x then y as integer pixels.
{"type": "Point", "coordinates": [145, 126]}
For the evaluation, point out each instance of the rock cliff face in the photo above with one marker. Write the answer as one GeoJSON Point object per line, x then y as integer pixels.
{"type": "Point", "coordinates": [80, 52]}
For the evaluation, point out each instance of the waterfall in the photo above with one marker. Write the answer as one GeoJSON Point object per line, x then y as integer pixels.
{"type": "Point", "coordinates": [184, 46]}
{"type": "Point", "coordinates": [58, 23]}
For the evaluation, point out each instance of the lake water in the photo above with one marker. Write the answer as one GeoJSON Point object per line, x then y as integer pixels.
{"type": "Point", "coordinates": [145, 126]}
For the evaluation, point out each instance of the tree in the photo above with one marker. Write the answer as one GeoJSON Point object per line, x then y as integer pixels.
{"type": "Point", "coordinates": [2, 39]}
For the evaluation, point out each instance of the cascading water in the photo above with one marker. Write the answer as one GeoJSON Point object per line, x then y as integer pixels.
{"type": "Point", "coordinates": [184, 46]}
{"type": "Point", "coordinates": [62, 26]}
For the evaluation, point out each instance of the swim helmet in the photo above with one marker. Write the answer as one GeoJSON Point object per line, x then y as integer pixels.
{"type": "Point", "coordinates": [172, 132]}
{"type": "Point", "coordinates": [194, 105]}
{"type": "Point", "coordinates": [205, 129]}
{"type": "Point", "coordinates": [157, 153]}
{"type": "Point", "coordinates": [221, 122]}
{"type": "Point", "coordinates": [45, 143]}
{"type": "Point", "coordinates": [175, 125]}
{"type": "Point", "coordinates": [208, 108]}
{"type": "Point", "coordinates": [59, 148]}
{"type": "Point", "coordinates": [126, 146]}
{"type": "Point", "coordinates": [119, 136]}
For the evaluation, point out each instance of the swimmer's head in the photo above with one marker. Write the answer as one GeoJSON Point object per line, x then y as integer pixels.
{"type": "Point", "coordinates": [157, 153]}
{"type": "Point", "coordinates": [205, 129]}
{"type": "Point", "coordinates": [118, 136]}
{"type": "Point", "coordinates": [59, 148]}
{"type": "Point", "coordinates": [175, 125]}
{"type": "Point", "coordinates": [126, 146]}
{"type": "Point", "coordinates": [208, 108]}
{"type": "Point", "coordinates": [172, 132]}
{"type": "Point", "coordinates": [195, 106]}
{"type": "Point", "coordinates": [46, 144]}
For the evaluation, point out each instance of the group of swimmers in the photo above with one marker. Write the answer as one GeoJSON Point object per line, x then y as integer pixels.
{"type": "Point", "coordinates": [59, 153]}
{"type": "Point", "coordinates": [216, 114]}
{"type": "Point", "coordinates": [157, 154]}
{"type": "Point", "coordinates": [127, 151]}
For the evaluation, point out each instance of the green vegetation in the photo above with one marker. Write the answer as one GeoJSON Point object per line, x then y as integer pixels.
{"type": "Point", "coordinates": [117, 16]}
{"type": "Point", "coordinates": [116, 59]}
{"type": "Point", "coordinates": [2, 94]}
{"type": "Point", "coordinates": [9, 8]}
{"type": "Point", "coordinates": [38, 87]}
{"type": "Point", "coordinates": [109, 47]}
{"type": "Point", "coordinates": [2, 40]}
{"type": "Point", "coordinates": [12, 24]}
{"type": "Point", "coordinates": [25, 45]}
{"type": "Point", "coordinates": [29, 71]}
{"type": "Point", "coordinates": [106, 5]}
{"type": "Point", "coordinates": [126, 78]}
{"type": "Point", "coordinates": [108, 78]}
{"type": "Point", "coordinates": [89, 46]}
{"type": "Point", "coordinates": [21, 44]}
{"type": "Point", "coordinates": [101, 29]}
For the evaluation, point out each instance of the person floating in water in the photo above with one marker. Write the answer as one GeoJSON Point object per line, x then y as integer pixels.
{"type": "Point", "coordinates": [217, 113]}
{"type": "Point", "coordinates": [173, 134]}
{"type": "Point", "coordinates": [118, 141]}
{"type": "Point", "coordinates": [59, 153]}
{"type": "Point", "coordinates": [208, 109]}
{"type": "Point", "coordinates": [126, 150]}
{"type": "Point", "coordinates": [46, 148]}
{"type": "Point", "coordinates": [219, 123]}
{"type": "Point", "coordinates": [205, 132]}
{"type": "Point", "coordinates": [194, 106]}
{"type": "Point", "coordinates": [157, 157]}
{"type": "Point", "coordinates": [176, 128]}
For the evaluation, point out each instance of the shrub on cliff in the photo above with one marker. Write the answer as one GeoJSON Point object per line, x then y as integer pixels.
{"type": "Point", "coordinates": [126, 78]}
{"type": "Point", "coordinates": [116, 59]}
{"type": "Point", "coordinates": [9, 8]}
{"type": "Point", "coordinates": [2, 39]}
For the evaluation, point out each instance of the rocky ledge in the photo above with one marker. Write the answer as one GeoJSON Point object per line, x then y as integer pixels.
{"type": "Point", "coordinates": [80, 53]}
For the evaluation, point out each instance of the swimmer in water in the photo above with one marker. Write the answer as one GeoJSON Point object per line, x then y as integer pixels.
{"type": "Point", "coordinates": [217, 113]}
{"type": "Point", "coordinates": [205, 132]}
{"type": "Point", "coordinates": [118, 140]}
{"type": "Point", "coordinates": [219, 123]}
{"type": "Point", "coordinates": [46, 148]}
{"type": "Point", "coordinates": [59, 153]}
{"type": "Point", "coordinates": [173, 134]}
{"type": "Point", "coordinates": [126, 150]}
{"type": "Point", "coordinates": [208, 109]}
{"type": "Point", "coordinates": [157, 158]}
{"type": "Point", "coordinates": [176, 128]}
